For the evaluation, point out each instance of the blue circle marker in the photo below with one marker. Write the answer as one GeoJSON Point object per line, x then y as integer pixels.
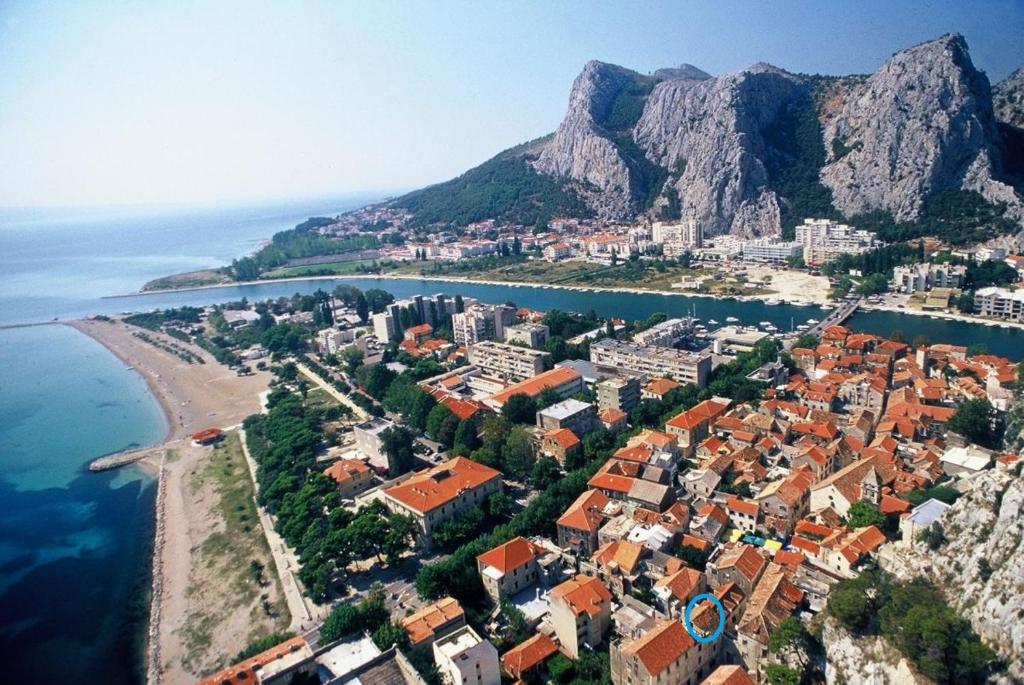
{"type": "Point", "coordinates": [721, 619]}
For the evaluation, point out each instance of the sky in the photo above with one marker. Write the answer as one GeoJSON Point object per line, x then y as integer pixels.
{"type": "Point", "coordinates": [182, 102]}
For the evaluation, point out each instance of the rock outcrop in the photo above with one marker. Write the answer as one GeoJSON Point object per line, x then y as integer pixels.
{"type": "Point", "coordinates": [584, 152]}
{"type": "Point", "coordinates": [710, 135]}
{"type": "Point", "coordinates": [871, 659]}
{"type": "Point", "coordinates": [980, 569]}
{"type": "Point", "coordinates": [921, 124]}
{"type": "Point", "coordinates": [1008, 99]}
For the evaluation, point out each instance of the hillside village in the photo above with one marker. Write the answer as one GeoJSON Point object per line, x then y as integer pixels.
{"type": "Point", "coordinates": [483, 506]}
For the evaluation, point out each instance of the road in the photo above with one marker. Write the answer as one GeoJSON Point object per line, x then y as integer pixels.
{"type": "Point", "coordinates": [332, 391]}
{"type": "Point", "coordinates": [304, 615]}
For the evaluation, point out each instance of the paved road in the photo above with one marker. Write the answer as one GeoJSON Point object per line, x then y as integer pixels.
{"type": "Point", "coordinates": [332, 391]}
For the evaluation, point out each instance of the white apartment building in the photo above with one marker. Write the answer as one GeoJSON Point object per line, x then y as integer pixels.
{"type": "Point", "coordinates": [532, 334]}
{"type": "Point", "coordinates": [510, 362]}
{"type": "Point", "coordinates": [665, 334]}
{"type": "Point", "coordinates": [771, 250]}
{"type": "Point", "coordinates": [464, 658]}
{"type": "Point", "coordinates": [916, 278]}
{"type": "Point", "coordinates": [823, 240]}
{"type": "Point", "coordinates": [1000, 303]}
{"type": "Point", "coordinates": [683, 367]}
{"type": "Point", "coordinates": [384, 326]}
{"type": "Point", "coordinates": [481, 322]}
{"type": "Point", "coordinates": [677, 238]}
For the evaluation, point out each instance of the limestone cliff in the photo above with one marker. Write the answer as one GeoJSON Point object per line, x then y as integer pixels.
{"type": "Point", "coordinates": [980, 568]}
{"type": "Point", "coordinates": [920, 124]}
{"type": "Point", "coordinates": [867, 660]}
{"type": "Point", "coordinates": [1008, 99]}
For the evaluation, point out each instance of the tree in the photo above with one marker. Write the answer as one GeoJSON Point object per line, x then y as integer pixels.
{"type": "Point", "coordinates": [397, 444]}
{"type": "Point", "coordinates": [263, 644]}
{"type": "Point", "coordinates": [389, 634]}
{"type": "Point", "coordinates": [692, 557]}
{"type": "Point", "coordinates": [352, 357]}
{"type": "Point", "coordinates": [790, 633]}
{"type": "Point", "coordinates": [544, 473]}
{"type": "Point", "coordinates": [459, 528]}
{"type": "Point", "coordinates": [518, 453]}
{"type": "Point", "coordinates": [435, 419]}
{"type": "Point", "coordinates": [362, 307]}
{"type": "Point", "coordinates": [520, 408]}
{"type": "Point", "coordinates": [863, 514]}
{"type": "Point", "coordinates": [446, 432]}
{"type": "Point", "coordinates": [973, 420]}
{"type": "Point", "coordinates": [466, 439]}
{"type": "Point", "coordinates": [500, 505]}
{"type": "Point", "coordinates": [777, 674]}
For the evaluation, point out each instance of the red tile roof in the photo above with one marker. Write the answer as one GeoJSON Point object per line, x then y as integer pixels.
{"type": "Point", "coordinates": [345, 470]}
{"type": "Point", "coordinates": [429, 489]}
{"type": "Point", "coordinates": [538, 384]}
{"type": "Point", "coordinates": [705, 412]}
{"type": "Point", "coordinates": [728, 675]}
{"type": "Point", "coordinates": [422, 625]}
{"type": "Point", "coordinates": [515, 553]}
{"type": "Point", "coordinates": [660, 646]}
{"type": "Point", "coordinates": [585, 512]}
{"type": "Point", "coordinates": [565, 438]}
{"type": "Point", "coordinates": [245, 671]}
{"type": "Point", "coordinates": [583, 594]}
{"type": "Point", "coordinates": [527, 654]}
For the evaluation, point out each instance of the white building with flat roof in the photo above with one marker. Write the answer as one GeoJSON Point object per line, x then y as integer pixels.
{"type": "Point", "coordinates": [510, 362]}
{"type": "Point", "coordinates": [464, 658]}
{"type": "Point", "coordinates": [824, 240]}
{"type": "Point", "coordinates": [682, 366]}
{"type": "Point", "coordinates": [771, 250]}
{"type": "Point", "coordinates": [1000, 303]}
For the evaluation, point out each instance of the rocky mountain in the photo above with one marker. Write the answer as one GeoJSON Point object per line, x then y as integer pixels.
{"type": "Point", "coordinates": [759, 149]}
{"type": "Point", "coordinates": [1008, 99]}
{"type": "Point", "coordinates": [980, 566]}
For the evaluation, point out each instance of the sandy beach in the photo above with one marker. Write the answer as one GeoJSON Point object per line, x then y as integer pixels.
{"type": "Point", "coordinates": [201, 613]}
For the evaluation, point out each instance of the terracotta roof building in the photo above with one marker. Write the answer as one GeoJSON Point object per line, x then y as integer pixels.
{"type": "Point", "coordinates": [435, 495]}
{"type": "Point", "coordinates": [580, 613]}
{"type": "Point", "coordinates": [433, 621]}
{"type": "Point", "coordinates": [528, 655]}
{"type": "Point", "coordinates": [509, 568]}
{"type": "Point", "coordinates": [578, 526]}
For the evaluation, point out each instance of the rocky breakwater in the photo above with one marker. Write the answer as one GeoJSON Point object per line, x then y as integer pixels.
{"type": "Point", "coordinates": [980, 566]}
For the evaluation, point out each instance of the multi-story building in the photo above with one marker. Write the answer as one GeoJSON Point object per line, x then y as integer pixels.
{"type": "Point", "coordinates": [579, 417]}
{"type": "Point", "coordinates": [464, 658]}
{"type": "Point", "coordinates": [510, 362]}
{"type": "Point", "coordinates": [527, 333]}
{"type": "Point", "coordinates": [690, 427]}
{"type": "Point", "coordinates": [618, 393]}
{"type": "Point", "coordinates": [682, 366]}
{"type": "Point", "coordinates": [772, 250]}
{"type": "Point", "coordinates": [774, 598]}
{"type": "Point", "coordinates": [351, 475]}
{"type": "Point", "coordinates": [563, 381]}
{"type": "Point", "coordinates": [915, 278]}
{"type": "Point", "coordinates": [481, 322]}
{"type": "Point", "coordinates": [578, 527]}
{"type": "Point", "coordinates": [385, 326]}
{"type": "Point", "coordinates": [435, 495]}
{"type": "Point", "coordinates": [369, 441]}
{"type": "Point", "coordinates": [666, 334]}
{"type": "Point", "coordinates": [581, 613]}
{"type": "Point", "coordinates": [677, 238]}
{"type": "Point", "coordinates": [667, 653]}
{"type": "Point", "coordinates": [1000, 303]}
{"type": "Point", "coordinates": [556, 251]}
{"type": "Point", "coordinates": [434, 621]}
{"type": "Point", "coordinates": [824, 240]}
{"type": "Point", "coordinates": [509, 568]}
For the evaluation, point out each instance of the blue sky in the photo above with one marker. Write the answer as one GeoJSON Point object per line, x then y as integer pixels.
{"type": "Point", "coordinates": [151, 102]}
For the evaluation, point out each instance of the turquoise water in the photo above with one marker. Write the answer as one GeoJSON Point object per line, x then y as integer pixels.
{"type": "Point", "coordinates": [74, 546]}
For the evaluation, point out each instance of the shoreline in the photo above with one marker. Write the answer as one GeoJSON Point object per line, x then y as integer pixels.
{"type": "Point", "coordinates": [963, 318]}
{"type": "Point", "coordinates": [191, 397]}
{"type": "Point", "coordinates": [459, 279]}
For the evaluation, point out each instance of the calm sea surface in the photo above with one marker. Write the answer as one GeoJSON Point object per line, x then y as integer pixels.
{"type": "Point", "coordinates": [74, 546]}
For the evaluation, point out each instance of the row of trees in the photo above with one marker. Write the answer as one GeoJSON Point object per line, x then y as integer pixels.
{"type": "Point", "coordinates": [306, 504]}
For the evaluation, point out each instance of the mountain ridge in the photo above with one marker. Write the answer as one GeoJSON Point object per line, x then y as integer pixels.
{"type": "Point", "coordinates": [754, 151]}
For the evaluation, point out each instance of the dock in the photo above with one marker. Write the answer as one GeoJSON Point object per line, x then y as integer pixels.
{"type": "Point", "coordinates": [123, 458]}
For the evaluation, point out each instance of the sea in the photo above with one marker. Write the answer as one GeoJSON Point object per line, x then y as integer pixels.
{"type": "Point", "coordinates": [75, 547]}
